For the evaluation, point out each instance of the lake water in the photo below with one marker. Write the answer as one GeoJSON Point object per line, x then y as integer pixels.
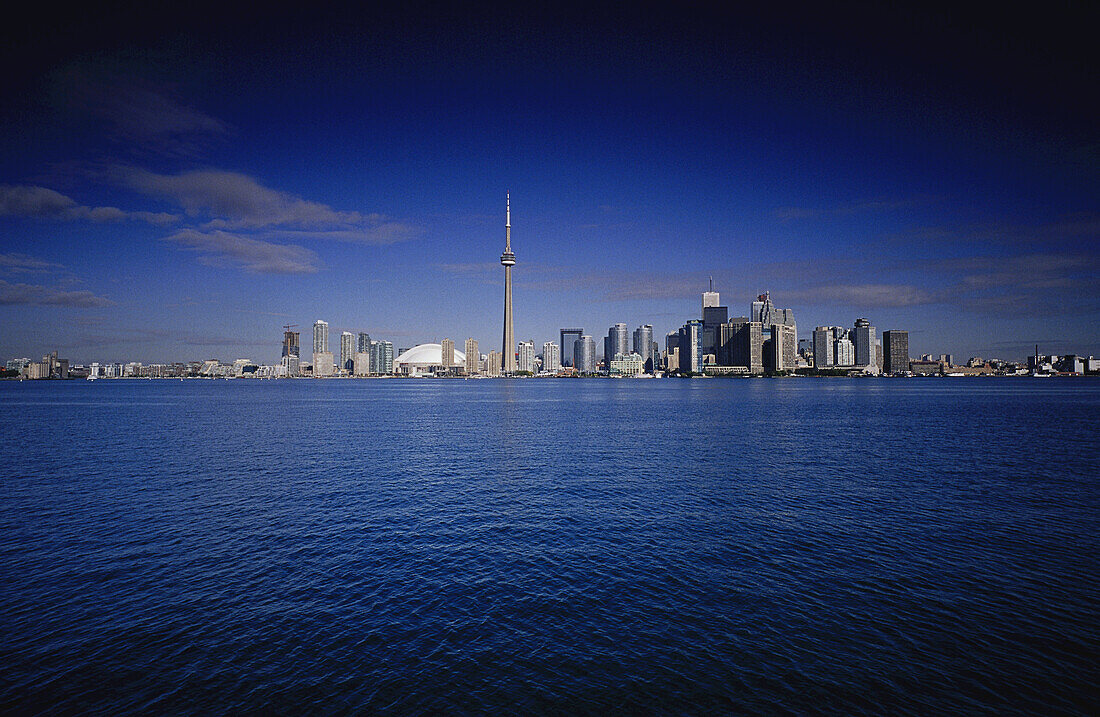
{"type": "Point", "coordinates": [550, 546]}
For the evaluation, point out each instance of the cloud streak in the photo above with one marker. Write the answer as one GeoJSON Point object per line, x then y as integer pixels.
{"type": "Point", "coordinates": [44, 203]}
{"type": "Point", "coordinates": [223, 249]}
{"type": "Point", "coordinates": [231, 201]}
{"type": "Point", "coordinates": [31, 294]}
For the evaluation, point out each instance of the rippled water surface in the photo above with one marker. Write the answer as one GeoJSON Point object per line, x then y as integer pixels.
{"type": "Point", "coordinates": [834, 546]}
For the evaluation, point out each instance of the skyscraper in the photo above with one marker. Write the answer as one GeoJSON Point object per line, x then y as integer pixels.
{"type": "Point", "coordinates": [710, 298]}
{"type": "Point", "coordinates": [824, 347]}
{"type": "Point", "coordinates": [473, 357]}
{"type": "Point", "coordinates": [364, 342]}
{"type": "Point", "coordinates": [551, 357]}
{"type": "Point", "coordinates": [584, 355]}
{"type": "Point", "coordinates": [643, 346]}
{"type": "Point", "coordinates": [741, 343]}
{"type": "Point", "coordinates": [526, 353]}
{"type": "Point", "coordinates": [291, 357]}
{"type": "Point", "coordinates": [447, 351]}
{"type": "Point", "coordinates": [508, 260]}
{"type": "Point", "coordinates": [863, 340]}
{"type": "Point", "coordinates": [895, 351]}
{"type": "Point", "coordinates": [381, 357]}
{"type": "Point", "coordinates": [347, 351]}
{"type": "Point", "coordinates": [691, 355]}
{"type": "Point", "coordinates": [616, 343]}
{"type": "Point", "coordinates": [320, 336]}
{"type": "Point", "coordinates": [492, 365]}
{"type": "Point", "coordinates": [568, 338]}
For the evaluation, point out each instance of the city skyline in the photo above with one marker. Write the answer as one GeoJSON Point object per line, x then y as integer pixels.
{"type": "Point", "coordinates": [163, 198]}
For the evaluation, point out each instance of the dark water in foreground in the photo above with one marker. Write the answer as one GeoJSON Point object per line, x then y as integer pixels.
{"type": "Point", "coordinates": [838, 546]}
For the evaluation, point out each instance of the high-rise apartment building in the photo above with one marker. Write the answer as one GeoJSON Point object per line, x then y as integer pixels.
{"type": "Point", "coordinates": [551, 358]}
{"type": "Point", "coordinates": [322, 363]}
{"type": "Point", "coordinates": [381, 357]}
{"type": "Point", "coordinates": [347, 351]}
{"type": "Point", "coordinates": [473, 356]}
{"type": "Point", "coordinates": [782, 352]}
{"type": "Point", "coordinates": [291, 357]}
{"type": "Point", "coordinates": [615, 343]}
{"type": "Point", "coordinates": [845, 352]}
{"type": "Point", "coordinates": [493, 365]}
{"type": "Point", "coordinates": [320, 336]}
{"type": "Point", "coordinates": [895, 351]}
{"type": "Point", "coordinates": [361, 365]}
{"type": "Point", "coordinates": [448, 353]}
{"type": "Point", "coordinates": [584, 355]}
{"type": "Point", "coordinates": [691, 354]}
{"type": "Point", "coordinates": [824, 347]}
{"type": "Point", "coordinates": [643, 345]}
{"type": "Point", "coordinates": [526, 356]}
{"type": "Point", "coordinates": [568, 338]}
{"type": "Point", "coordinates": [364, 343]}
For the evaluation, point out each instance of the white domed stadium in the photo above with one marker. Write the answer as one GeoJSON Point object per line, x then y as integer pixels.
{"type": "Point", "coordinates": [424, 359]}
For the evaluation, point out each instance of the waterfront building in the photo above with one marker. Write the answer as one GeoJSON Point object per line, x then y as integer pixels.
{"type": "Point", "coordinates": [713, 318]}
{"type": "Point", "coordinates": [508, 260]}
{"type": "Point", "coordinates": [768, 314]}
{"type": "Point", "coordinates": [741, 343]}
{"type": "Point", "coordinates": [689, 345]}
{"type": "Point", "coordinates": [347, 351]}
{"type": "Point", "coordinates": [845, 352]}
{"type": "Point", "coordinates": [17, 364]}
{"type": "Point", "coordinates": [448, 353]}
{"type": "Point", "coordinates": [363, 343]}
{"type": "Point", "coordinates": [425, 359]}
{"type": "Point", "coordinates": [584, 355]}
{"type": "Point", "coordinates": [320, 336]}
{"type": "Point", "coordinates": [863, 341]}
{"type": "Point", "coordinates": [895, 350]}
{"type": "Point", "coordinates": [615, 343]}
{"type": "Point", "coordinates": [322, 363]}
{"type": "Point", "coordinates": [526, 358]}
{"type": "Point", "coordinates": [472, 356]}
{"type": "Point", "coordinates": [780, 351]}
{"type": "Point", "coordinates": [631, 365]}
{"type": "Point", "coordinates": [361, 364]}
{"type": "Point", "coordinates": [493, 364]}
{"type": "Point", "coordinates": [568, 338]}
{"type": "Point", "coordinates": [381, 357]}
{"type": "Point", "coordinates": [551, 359]}
{"type": "Point", "coordinates": [643, 346]}
{"type": "Point", "coordinates": [710, 298]}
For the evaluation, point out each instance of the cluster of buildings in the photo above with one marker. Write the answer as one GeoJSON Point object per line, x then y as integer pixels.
{"type": "Point", "coordinates": [763, 342]}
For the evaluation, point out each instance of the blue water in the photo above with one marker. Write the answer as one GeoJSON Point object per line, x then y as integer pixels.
{"type": "Point", "coordinates": [540, 546]}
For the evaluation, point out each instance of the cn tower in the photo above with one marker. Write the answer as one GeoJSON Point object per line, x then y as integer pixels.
{"type": "Point", "coordinates": [508, 259]}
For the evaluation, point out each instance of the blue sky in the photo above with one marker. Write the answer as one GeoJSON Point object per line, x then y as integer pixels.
{"type": "Point", "coordinates": [177, 188]}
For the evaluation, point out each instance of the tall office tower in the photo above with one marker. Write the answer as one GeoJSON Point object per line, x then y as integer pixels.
{"type": "Point", "coordinates": [643, 346]}
{"type": "Point", "coordinates": [447, 351]}
{"type": "Point", "coordinates": [320, 336]}
{"type": "Point", "coordinates": [824, 347]}
{"type": "Point", "coordinates": [347, 351]}
{"type": "Point", "coordinates": [713, 318]}
{"type": "Point", "coordinates": [526, 357]}
{"type": "Point", "coordinates": [493, 364]}
{"type": "Point", "coordinates": [863, 339]}
{"type": "Point", "coordinates": [472, 356]}
{"type": "Point", "coordinates": [741, 343]}
{"type": "Point", "coordinates": [784, 349]}
{"type": "Point", "coordinates": [845, 352]}
{"type": "Point", "coordinates": [551, 357]}
{"type": "Point", "coordinates": [691, 355]}
{"type": "Point", "coordinates": [768, 314]}
{"type": "Point", "coordinates": [508, 260]}
{"type": "Point", "coordinates": [364, 343]}
{"type": "Point", "coordinates": [710, 298]}
{"type": "Point", "coordinates": [584, 355]}
{"type": "Point", "coordinates": [568, 338]}
{"type": "Point", "coordinates": [895, 351]}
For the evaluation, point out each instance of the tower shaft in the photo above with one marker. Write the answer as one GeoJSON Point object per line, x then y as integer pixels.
{"type": "Point", "coordinates": [508, 260]}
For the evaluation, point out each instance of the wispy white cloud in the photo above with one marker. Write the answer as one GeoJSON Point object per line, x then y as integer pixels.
{"type": "Point", "coordinates": [218, 248]}
{"type": "Point", "coordinates": [41, 202]}
{"type": "Point", "coordinates": [23, 264]}
{"type": "Point", "coordinates": [26, 294]}
{"type": "Point", "coordinates": [237, 202]}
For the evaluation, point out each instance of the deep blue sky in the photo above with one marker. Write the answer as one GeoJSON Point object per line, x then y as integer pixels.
{"type": "Point", "coordinates": [176, 187]}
